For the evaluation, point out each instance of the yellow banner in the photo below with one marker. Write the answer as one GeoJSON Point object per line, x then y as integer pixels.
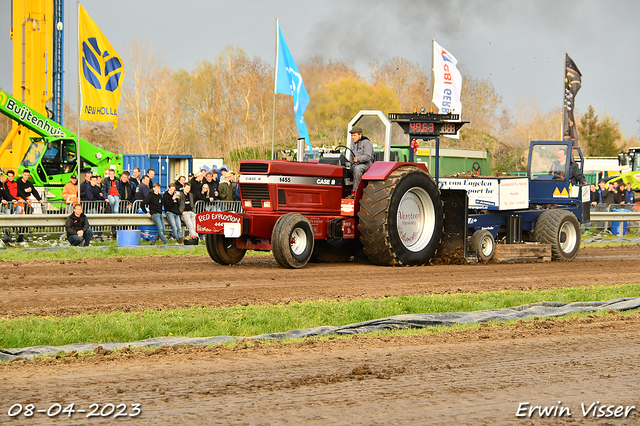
{"type": "Point", "coordinates": [101, 73]}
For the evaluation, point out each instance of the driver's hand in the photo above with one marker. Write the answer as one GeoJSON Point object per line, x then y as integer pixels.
{"type": "Point", "coordinates": [355, 159]}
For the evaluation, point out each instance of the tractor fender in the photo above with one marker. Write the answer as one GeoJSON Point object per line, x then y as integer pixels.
{"type": "Point", "coordinates": [380, 170]}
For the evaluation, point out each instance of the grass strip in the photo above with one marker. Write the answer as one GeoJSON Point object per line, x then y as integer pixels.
{"type": "Point", "coordinates": [112, 250]}
{"type": "Point", "coordinates": [97, 250]}
{"type": "Point", "coordinates": [261, 319]}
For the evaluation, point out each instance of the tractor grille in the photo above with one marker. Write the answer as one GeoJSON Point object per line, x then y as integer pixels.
{"type": "Point", "coordinates": [254, 191]}
{"type": "Point", "coordinates": [254, 167]}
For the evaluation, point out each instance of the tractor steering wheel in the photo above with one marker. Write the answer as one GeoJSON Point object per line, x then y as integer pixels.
{"type": "Point", "coordinates": [346, 147]}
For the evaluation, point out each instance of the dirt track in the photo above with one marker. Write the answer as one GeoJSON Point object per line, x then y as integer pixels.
{"type": "Point", "coordinates": [161, 282]}
{"type": "Point", "coordinates": [473, 377]}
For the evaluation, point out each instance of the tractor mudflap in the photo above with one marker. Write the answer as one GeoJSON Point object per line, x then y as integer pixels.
{"type": "Point", "coordinates": [453, 246]}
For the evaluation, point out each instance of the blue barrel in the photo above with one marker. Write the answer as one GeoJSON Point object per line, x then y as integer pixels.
{"type": "Point", "coordinates": [619, 228]}
{"type": "Point", "coordinates": [149, 232]}
{"type": "Point", "coordinates": [128, 238]}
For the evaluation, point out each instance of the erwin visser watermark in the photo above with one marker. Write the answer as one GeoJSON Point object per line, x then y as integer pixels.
{"type": "Point", "coordinates": [594, 410]}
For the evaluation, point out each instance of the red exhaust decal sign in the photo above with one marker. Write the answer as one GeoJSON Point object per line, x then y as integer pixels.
{"type": "Point", "coordinates": [213, 222]}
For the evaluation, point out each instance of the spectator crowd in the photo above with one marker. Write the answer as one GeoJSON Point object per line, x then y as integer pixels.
{"type": "Point", "coordinates": [19, 196]}
{"type": "Point", "coordinates": [615, 192]}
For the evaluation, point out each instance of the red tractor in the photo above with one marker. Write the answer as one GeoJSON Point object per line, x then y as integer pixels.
{"type": "Point", "coordinates": [300, 210]}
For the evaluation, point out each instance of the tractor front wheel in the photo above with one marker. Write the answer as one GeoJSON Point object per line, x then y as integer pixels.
{"type": "Point", "coordinates": [224, 250]}
{"type": "Point", "coordinates": [292, 240]}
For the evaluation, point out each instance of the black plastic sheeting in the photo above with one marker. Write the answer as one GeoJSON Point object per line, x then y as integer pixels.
{"type": "Point", "coordinates": [398, 322]}
{"type": "Point", "coordinates": [611, 240]}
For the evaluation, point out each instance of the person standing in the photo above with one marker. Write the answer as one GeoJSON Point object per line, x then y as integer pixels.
{"type": "Point", "coordinates": [26, 189]}
{"type": "Point", "coordinates": [143, 189]}
{"type": "Point", "coordinates": [11, 204]}
{"type": "Point", "coordinates": [630, 196]}
{"type": "Point", "coordinates": [602, 187]}
{"type": "Point", "coordinates": [212, 181]}
{"type": "Point", "coordinates": [127, 189]}
{"type": "Point", "coordinates": [111, 189]}
{"type": "Point", "coordinates": [362, 156]}
{"type": "Point", "coordinates": [135, 178]}
{"type": "Point", "coordinates": [151, 173]}
{"type": "Point", "coordinates": [10, 194]}
{"type": "Point", "coordinates": [611, 195]}
{"type": "Point", "coordinates": [95, 198]}
{"type": "Point", "coordinates": [70, 192]}
{"type": "Point", "coordinates": [206, 198]}
{"type": "Point", "coordinates": [152, 206]}
{"type": "Point", "coordinates": [77, 227]}
{"type": "Point", "coordinates": [196, 182]}
{"type": "Point", "coordinates": [225, 190]}
{"type": "Point", "coordinates": [187, 203]}
{"type": "Point", "coordinates": [84, 186]}
{"type": "Point", "coordinates": [171, 203]}
{"type": "Point", "coordinates": [594, 195]}
{"type": "Point", "coordinates": [180, 183]}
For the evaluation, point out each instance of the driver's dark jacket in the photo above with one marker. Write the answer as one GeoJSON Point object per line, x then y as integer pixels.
{"type": "Point", "coordinates": [575, 174]}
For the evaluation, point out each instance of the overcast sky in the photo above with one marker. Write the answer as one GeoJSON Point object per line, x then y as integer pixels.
{"type": "Point", "coordinates": [518, 45]}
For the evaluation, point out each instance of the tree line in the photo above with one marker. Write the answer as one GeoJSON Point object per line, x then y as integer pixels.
{"type": "Point", "coordinates": [227, 104]}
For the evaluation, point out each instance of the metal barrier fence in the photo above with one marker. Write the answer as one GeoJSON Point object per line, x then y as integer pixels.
{"type": "Point", "coordinates": [612, 218]}
{"type": "Point", "coordinates": [48, 217]}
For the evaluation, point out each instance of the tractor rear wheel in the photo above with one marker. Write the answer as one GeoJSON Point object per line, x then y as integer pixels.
{"type": "Point", "coordinates": [561, 229]}
{"type": "Point", "coordinates": [401, 218]}
{"type": "Point", "coordinates": [292, 240]}
{"type": "Point", "coordinates": [224, 250]}
{"type": "Point", "coordinates": [483, 244]}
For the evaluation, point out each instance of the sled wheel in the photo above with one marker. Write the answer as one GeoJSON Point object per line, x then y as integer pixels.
{"type": "Point", "coordinates": [561, 229]}
{"type": "Point", "coordinates": [483, 244]}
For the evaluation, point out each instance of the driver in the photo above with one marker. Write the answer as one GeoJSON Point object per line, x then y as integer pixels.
{"type": "Point", "coordinates": [558, 167]}
{"type": "Point", "coordinates": [362, 156]}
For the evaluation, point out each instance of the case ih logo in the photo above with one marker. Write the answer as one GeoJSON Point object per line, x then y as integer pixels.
{"type": "Point", "coordinates": [100, 70]}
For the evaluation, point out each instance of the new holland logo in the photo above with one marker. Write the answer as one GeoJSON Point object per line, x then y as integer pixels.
{"type": "Point", "coordinates": [101, 69]}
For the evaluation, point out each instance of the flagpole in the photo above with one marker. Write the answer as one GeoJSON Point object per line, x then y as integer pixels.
{"type": "Point", "coordinates": [564, 88]}
{"type": "Point", "coordinates": [275, 82]}
{"type": "Point", "coordinates": [78, 133]}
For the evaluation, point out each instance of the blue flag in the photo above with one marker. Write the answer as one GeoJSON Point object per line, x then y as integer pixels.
{"type": "Point", "coordinates": [289, 82]}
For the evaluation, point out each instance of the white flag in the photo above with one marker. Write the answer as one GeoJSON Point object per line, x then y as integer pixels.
{"type": "Point", "coordinates": [447, 81]}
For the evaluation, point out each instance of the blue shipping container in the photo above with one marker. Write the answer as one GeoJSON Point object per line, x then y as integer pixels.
{"type": "Point", "coordinates": [168, 167]}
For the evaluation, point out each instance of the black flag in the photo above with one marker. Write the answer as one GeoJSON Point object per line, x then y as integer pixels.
{"type": "Point", "coordinates": [572, 82]}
